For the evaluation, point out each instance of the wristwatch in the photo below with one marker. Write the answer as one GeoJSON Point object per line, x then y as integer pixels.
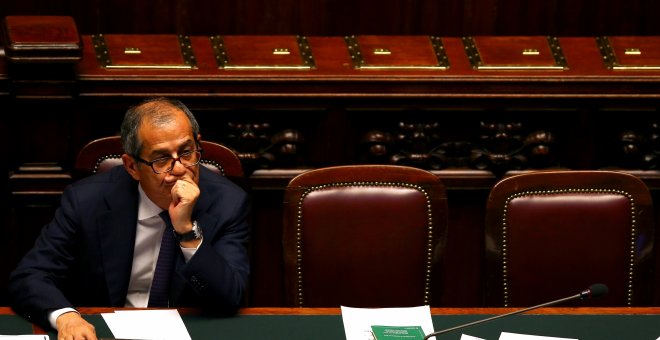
{"type": "Point", "coordinates": [194, 234]}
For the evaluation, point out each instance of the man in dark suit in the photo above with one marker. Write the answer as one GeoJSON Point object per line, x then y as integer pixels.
{"type": "Point", "coordinates": [102, 247]}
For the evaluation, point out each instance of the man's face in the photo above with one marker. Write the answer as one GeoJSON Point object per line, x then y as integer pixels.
{"type": "Point", "coordinates": [163, 140]}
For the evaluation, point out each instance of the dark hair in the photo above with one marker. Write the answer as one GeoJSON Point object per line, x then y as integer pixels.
{"type": "Point", "coordinates": [158, 110]}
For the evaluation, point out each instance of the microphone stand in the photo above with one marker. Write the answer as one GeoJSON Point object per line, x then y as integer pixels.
{"type": "Point", "coordinates": [574, 297]}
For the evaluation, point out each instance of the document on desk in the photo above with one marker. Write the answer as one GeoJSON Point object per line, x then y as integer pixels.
{"type": "Point", "coordinates": [160, 324]}
{"type": "Point", "coordinates": [24, 337]}
{"type": "Point", "coordinates": [516, 336]}
{"type": "Point", "coordinates": [358, 321]}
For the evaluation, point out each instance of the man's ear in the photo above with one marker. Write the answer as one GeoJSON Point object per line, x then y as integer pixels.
{"type": "Point", "coordinates": [131, 166]}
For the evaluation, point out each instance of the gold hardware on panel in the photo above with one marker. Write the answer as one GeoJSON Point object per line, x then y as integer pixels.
{"type": "Point", "coordinates": [558, 63]}
{"type": "Point", "coordinates": [611, 61]}
{"type": "Point", "coordinates": [103, 56]}
{"type": "Point", "coordinates": [359, 61]}
{"type": "Point", "coordinates": [132, 50]}
{"type": "Point", "coordinates": [281, 51]}
{"type": "Point", "coordinates": [305, 52]}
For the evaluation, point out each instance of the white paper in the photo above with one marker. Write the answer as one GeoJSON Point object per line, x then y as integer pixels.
{"type": "Point", "coordinates": [24, 337]}
{"type": "Point", "coordinates": [160, 324]}
{"type": "Point", "coordinates": [358, 321]}
{"type": "Point", "coordinates": [469, 337]}
{"type": "Point", "coordinates": [515, 336]}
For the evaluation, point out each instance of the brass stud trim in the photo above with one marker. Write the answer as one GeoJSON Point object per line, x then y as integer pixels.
{"type": "Point", "coordinates": [185, 46]}
{"type": "Point", "coordinates": [102, 55]}
{"type": "Point", "coordinates": [103, 159]}
{"type": "Point", "coordinates": [214, 164]}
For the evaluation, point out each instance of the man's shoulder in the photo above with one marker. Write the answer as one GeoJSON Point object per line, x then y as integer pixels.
{"type": "Point", "coordinates": [111, 177]}
{"type": "Point", "coordinates": [212, 182]}
{"type": "Point", "coordinates": [208, 177]}
{"type": "Point", "coordinates": [109, 187]}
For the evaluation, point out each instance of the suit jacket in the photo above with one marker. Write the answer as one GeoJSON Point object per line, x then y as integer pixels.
{"type": "Point", "coordinates": [84, 256]}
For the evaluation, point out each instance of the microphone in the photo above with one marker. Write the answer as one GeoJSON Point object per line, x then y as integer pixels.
{"type": "Point", "coordinates": [594, 291]}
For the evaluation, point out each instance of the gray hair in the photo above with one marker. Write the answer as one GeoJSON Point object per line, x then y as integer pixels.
{"type": "Point", "coordinates": [158, 110]}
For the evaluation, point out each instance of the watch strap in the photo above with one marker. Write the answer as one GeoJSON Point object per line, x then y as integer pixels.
{"type": "Point", "coordinates": [194, 234]}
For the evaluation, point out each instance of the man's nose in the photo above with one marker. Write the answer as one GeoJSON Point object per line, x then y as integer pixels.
{"type": "Point", "coordinates": [177, 167]}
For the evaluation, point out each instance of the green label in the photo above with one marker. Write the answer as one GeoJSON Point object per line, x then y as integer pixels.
{"type": "Point", "coordinates": [398, 333]}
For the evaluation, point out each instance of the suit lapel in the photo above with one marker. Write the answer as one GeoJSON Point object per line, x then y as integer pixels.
{"type": "Point", "coordinates": [117, 227]}
{"type": "Point", "coordinates": [178, 283]}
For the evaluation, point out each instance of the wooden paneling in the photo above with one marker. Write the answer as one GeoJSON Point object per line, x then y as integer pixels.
{"type": "Point", "coordinates": [470, 127]}
{"type": "Point", "coordinates": [343, 17]}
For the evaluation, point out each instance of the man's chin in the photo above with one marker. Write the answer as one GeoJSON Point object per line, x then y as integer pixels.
{"type": "Point", "coordinates": [164, 200]}
{"type": "Point", "coordinates": [167, 189]}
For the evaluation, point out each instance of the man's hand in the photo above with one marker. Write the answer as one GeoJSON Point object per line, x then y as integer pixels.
{"type": "Point", "coordinates": [185, 193]}
{"type": "Point", "coordinates": [71, 326]}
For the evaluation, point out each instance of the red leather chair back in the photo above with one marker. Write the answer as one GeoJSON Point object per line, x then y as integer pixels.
{"type": "Point", "coordinates": [104, 153]}
{"type": "Point", "coordinates": [552, 234]}
{"type": "Point", "coordinates": [363, 236]}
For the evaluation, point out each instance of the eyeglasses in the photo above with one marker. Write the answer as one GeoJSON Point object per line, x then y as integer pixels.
{"type": "Point", "coordinates": [166, 164]}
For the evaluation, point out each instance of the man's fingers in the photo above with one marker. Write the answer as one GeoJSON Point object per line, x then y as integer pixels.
{"type": "Point", "coordinates": [187, 179]}
{"type": "Point", "coordinates": [73, 326]}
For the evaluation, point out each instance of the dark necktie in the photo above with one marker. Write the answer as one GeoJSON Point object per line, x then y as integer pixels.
{"type": "Point", "coordinates": [158, 297]}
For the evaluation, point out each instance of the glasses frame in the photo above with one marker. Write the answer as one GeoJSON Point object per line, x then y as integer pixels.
{"type": "Point", "coordinates": [174, 160]}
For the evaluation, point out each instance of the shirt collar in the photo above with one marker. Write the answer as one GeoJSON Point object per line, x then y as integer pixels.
{"type": "Point", "coordinates": [146, 208]}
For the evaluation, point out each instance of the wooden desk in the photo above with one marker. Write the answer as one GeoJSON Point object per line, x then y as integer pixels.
{"type": "Point", "coordinates": [326, 323]}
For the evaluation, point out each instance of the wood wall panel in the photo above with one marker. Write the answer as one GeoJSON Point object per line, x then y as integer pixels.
{"type": "Point", "coordinates": [343, 17]}
{"type": "Point", "coordinates": [52, 115]}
